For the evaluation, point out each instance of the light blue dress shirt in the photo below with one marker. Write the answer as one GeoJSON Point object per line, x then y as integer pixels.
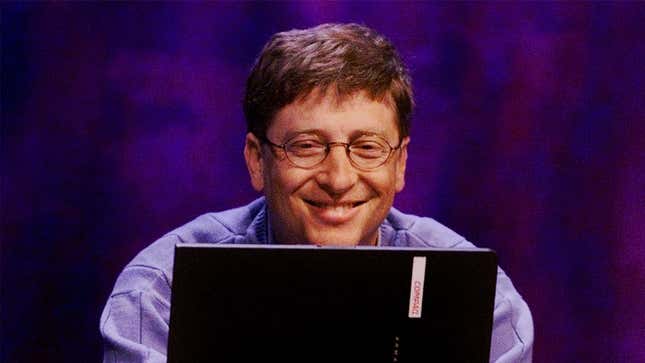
{"type": "Point", "coordinates": [134, 323]}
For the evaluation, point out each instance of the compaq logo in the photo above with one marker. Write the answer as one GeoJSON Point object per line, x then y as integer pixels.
{"type": "Point", "coordinates": [416, 298]}
{"type": "Point", "coordinates": [416, 286]}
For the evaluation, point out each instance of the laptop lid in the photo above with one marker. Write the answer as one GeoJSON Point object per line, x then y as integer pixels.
{"type": "Point", "coordinates": [251, 303]}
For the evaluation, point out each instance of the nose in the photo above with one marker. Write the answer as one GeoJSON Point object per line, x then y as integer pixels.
{"type": "Point", "coordinates": [336, 175]}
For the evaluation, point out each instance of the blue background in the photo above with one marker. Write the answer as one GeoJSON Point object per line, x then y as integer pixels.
{"type": "Point", "coordinates": [121, 121]}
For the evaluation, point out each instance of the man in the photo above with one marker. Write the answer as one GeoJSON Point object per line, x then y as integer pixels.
{"type": "Point", "coordinates": [328, 113]}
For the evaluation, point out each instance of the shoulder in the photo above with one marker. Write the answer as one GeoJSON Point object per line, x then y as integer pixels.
{"type": "Point", "coordinates": [151, 269]}
{"type": "Point", "coordinates": [142, 292]}
{"type": "Point", "coordinates": [408, 230]}
{"type": "Point", "coordinates": [220, 226]}
{"type": "Point", "coordinates": [512, 338]}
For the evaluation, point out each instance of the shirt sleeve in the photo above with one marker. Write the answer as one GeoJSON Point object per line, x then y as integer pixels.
{"type": "Point", "coordinates": [512, 338]}
{"type": "Point", "coordinates": [134, 323]}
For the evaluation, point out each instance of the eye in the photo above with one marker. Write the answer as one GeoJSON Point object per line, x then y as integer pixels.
{"type": "Point", "coordinates": [305, 147]}
{"type": "Point", "coordinates": [303, 144]}
{"type": "Point", "coordinates": [366, 146]}
{"type": "Point", "coordinates": [368, 149]}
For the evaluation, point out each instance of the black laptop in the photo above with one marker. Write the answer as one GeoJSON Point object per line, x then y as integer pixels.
{"type": "Point", "coordinates": [252, 303]}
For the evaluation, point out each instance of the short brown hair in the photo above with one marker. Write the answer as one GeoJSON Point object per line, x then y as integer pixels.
{"type": "Point", "coordinates": [347, 57]}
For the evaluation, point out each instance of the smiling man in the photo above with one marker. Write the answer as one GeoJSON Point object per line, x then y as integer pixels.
{"type": "Point", "coordinates": [328, 112]}
{"type": "Point", "coordinates": [333, 175]}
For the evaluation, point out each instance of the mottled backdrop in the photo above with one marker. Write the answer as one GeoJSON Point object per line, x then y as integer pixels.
{"type": "Point", "coordinates": [121, 121]}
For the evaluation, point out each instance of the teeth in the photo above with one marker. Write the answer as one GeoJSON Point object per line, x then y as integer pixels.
{"type": "Point", "coordinates": [334, 206]}
{"type": "Point", "coordinates": [339, 206]}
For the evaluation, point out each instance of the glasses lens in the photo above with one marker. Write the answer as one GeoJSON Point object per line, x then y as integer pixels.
{"type": "Point", "coordinates": [305, 151]}
{"type": "Point", "coordinates": [369, 153]}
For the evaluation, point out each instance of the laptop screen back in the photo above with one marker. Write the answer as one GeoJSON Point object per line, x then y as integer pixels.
{"type": "Point", "coordinates": [245, 303]}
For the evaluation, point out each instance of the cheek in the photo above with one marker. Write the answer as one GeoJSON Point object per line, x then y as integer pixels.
{"type": "Point", "coordinates": [285, 181]}
{"type": "Point", "coordinates": [384, 182]}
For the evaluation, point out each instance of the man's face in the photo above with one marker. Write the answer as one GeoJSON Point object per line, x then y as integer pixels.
{"type": "Point", "coordinates": [332, 203]}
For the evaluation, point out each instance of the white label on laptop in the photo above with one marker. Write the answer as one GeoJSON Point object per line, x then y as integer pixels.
{"type": "Point", "coordinates": [416, 286]}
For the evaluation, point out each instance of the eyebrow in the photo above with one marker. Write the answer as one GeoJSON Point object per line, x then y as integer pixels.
{"type": "Point", "coordinates": [321, 133]}
{"type": "Point", "coordinates": [293, 133]}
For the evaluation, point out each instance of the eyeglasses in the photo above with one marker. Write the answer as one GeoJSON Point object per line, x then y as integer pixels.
{"type": "Point", "coordinates": [306, 150]}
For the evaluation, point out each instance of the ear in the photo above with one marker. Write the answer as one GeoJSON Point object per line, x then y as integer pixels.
{"type": "Point", "coordinates": [400, 164]}
{"type": "Point", "coordinates": [254, 162]}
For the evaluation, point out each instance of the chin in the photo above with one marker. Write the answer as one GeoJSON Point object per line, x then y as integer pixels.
{"type": "Point", "coordinates": [336, 243]}
{"type": "Point", "coordinates": [329, 238]}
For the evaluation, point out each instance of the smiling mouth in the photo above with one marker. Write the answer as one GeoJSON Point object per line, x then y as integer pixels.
{"type": "Point", "coordinates": [325, 205]}
{"type": "Point", "coordinates": [334, 213]}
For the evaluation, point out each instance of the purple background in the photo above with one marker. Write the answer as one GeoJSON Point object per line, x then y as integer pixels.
{"type": "Point", "coordinates": [122, 121]}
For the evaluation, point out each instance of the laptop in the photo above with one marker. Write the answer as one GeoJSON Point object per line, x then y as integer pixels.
{"type": "Point", "coordinates": [259, 303]}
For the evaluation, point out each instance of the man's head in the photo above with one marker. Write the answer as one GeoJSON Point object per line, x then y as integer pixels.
{"type": "Point", "coordinates": [338, 84]}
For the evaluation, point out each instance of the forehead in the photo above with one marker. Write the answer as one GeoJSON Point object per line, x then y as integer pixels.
{"type": "Point", "coordinates": [335, 117]}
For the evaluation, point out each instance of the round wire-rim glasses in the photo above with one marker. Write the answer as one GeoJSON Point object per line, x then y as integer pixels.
{"type": "Point", "coordinates": [306, 151]}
